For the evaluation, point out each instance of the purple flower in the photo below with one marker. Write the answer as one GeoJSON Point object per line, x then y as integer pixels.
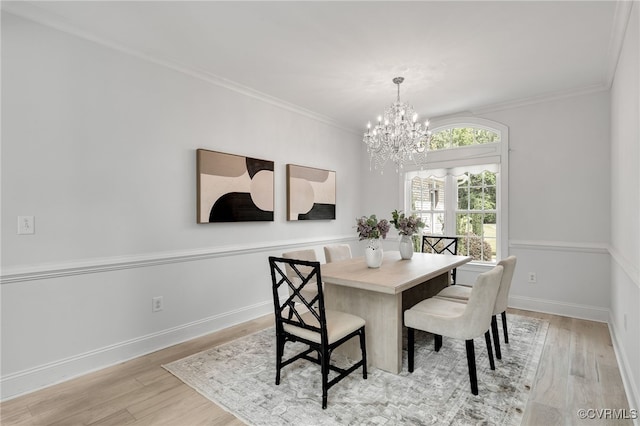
{"type": "Point", "coordinates": [370, 227]}
{"type": "Point", "coordinates": [406, 225]}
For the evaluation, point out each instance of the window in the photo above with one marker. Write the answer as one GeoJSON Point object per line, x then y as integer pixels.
{"type": "Point", "coordinates": [476, 215]}
{"type": "Point", "coordinates": [463, 187]}
{"type": "Point", "coordinates": [427, 202]}
{"type": "Point", "coordinates": [462, 136]}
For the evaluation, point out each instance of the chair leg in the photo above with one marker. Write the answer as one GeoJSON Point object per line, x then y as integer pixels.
{"type": "Point", "coordinates": [279, 354]}
{"type": "Point", "coordinates": [496, 336]}
{"type": "Point", "coordinates": [471, 361]}
{"type": "Point", "coordinates": [363, 349]}
{"type": "Point", "coordinates": [324, 366]}
{"type": "Point", "coordinates": [438, 341]}
{"type": "Point", "coordinates": [504, 327]}
{"type": "Point", "coordinates": [487, 338]}
{"type": "Point", "coordinates": [410, 347]}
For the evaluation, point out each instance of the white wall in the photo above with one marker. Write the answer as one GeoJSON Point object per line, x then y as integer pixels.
{"type": "Point", "coordinates": [625, 205]}
{"type": "Point", "coordinates": [100, 147]}
{"type": "Point", "coordinates": [558, 203]}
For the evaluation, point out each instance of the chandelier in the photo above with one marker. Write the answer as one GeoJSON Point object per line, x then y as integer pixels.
{"type": "Point", "coordinates": [398, 136]}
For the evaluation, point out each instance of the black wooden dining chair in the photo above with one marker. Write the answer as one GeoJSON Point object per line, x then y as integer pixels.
{"type": "Point", "coordinates": [299, 319]}
{"type": "Point", "coordinates": [442, 245]}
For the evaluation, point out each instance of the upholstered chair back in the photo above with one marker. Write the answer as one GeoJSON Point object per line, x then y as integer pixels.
{"type": "Point", "coordinates": [477, 315]}
{"type": "Point", "coordinates": [509, 265]}
{"type": "Point", "coordinates": [308, 255]}
{"type": "Point", "coordinates": [336, 252]}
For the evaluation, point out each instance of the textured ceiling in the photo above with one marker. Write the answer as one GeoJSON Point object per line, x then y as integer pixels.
{"type": "Point", "coordinates": [337, 59]}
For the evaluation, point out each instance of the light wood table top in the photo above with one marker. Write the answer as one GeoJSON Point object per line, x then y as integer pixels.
{"type": "Point", "coordinates": [394, 276]}
{"type": "Point", "coordinates": [380, 296]}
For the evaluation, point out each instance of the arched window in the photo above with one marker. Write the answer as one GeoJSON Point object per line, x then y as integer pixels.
{"type": "Point", "coordinates": [462, 190]}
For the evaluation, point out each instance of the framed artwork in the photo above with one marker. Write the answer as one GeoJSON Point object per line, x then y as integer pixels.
{"type": "Point", "coordinates": [233, 188]}
{"type": "Point", "coordinates": [311, 193]}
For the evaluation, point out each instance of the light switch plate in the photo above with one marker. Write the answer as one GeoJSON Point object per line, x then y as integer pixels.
{"type": "Point", "coordinates": [26, 225]}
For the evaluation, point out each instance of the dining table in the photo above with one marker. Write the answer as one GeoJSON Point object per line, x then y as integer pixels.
{"type": "Point", "coordinates": [381, 295]}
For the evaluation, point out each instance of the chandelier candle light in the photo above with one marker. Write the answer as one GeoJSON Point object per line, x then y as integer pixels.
{"type": "Point", "coordinates": [397, 138]}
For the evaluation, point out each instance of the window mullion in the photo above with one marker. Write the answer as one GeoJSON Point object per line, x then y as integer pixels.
{"type": "Point", "coordinates": [451, 203]}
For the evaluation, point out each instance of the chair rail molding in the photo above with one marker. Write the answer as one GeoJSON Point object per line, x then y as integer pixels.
{"type": "Point", "coordinates": [626, 265]}
{"type": "Point", "coordinates": [92, 266]}
{"type": "Point", "coordinates": [586, 247]}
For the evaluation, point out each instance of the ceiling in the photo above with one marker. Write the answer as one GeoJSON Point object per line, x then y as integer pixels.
{"type": "Point", "coordinates": [337, 59]}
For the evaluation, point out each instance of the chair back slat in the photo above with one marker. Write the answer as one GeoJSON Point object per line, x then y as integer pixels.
{"type": "Point", "coordinates": [441, 244]}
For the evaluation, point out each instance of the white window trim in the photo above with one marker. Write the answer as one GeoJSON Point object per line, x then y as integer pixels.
{"type": "Point", "coordinates": [497, 152]}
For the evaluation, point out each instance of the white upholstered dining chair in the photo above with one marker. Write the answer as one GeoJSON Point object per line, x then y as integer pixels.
{"type": "Point", "coordinates": [458, 320]}
{"type": "Point", "coordinates": [461, 293]}
{"type": "Point", "coordinates": [336, 252]}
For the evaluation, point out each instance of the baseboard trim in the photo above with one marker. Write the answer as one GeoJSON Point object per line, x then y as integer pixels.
{"type": "Point", "coordinates": [43, 376]}
{"type": "Point", "coordinates": [630, 386]}
{"type": "Point", "coordinates": [592, 313]}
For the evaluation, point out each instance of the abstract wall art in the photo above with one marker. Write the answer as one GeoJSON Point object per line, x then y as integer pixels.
{"type": "Point", "coordinates": [311, 193]}
{"type": "Point", "coordinates": [233, 188]}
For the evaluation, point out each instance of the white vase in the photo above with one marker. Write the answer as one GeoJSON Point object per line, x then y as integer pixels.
{"type": "Point", "coordinates": [373, 253]}
{"type": "Point", "coordinates": [406, 247]}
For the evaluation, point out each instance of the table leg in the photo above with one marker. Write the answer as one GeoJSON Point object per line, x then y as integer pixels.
{"type": "Point", "coordinates": [383, 315]}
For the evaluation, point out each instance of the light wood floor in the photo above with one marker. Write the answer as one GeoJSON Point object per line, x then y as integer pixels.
{"type": "Point", "coordinates": [578, 369]}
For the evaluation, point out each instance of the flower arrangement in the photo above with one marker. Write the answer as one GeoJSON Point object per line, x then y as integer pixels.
{"type": "Point", "coordinates": [406, 225]}
{"type": "Point", "coordinates": [371, 228]}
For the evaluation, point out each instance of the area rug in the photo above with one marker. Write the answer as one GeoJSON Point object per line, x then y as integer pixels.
{"type": "Point", "coordinates": [240, 377]}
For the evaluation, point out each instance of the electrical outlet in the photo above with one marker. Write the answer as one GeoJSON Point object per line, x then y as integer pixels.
{"type": "Point", "coordinates": [532, 277]}
{"type": "Point", "coordinates": [157, 304]}
{"type": "Point", "coordinates": [26, 225]}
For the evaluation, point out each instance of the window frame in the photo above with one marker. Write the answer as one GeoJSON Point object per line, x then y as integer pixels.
{"type": "Point", "coordinates": [454, 158]}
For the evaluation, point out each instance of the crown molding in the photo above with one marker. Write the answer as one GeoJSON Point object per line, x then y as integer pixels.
{"type": "Point", "coordinates": [31, 12]}
{"type": "Point", "coordinates": [546, 97]}
{"type": "Point", "coordinates": [616, 41]}
{"type": "Point", "coordinates": [39, 15]}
